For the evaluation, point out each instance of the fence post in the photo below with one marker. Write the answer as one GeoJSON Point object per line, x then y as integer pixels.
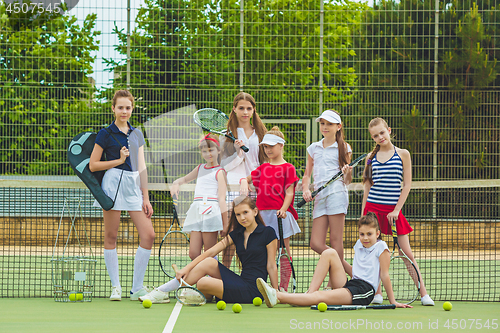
{"type": "Point", "coordinates": [321, 36]}
{"type": "Point", "coordinates": [242, 32]}
{"type": "Point", "coordinates": [435, 120]}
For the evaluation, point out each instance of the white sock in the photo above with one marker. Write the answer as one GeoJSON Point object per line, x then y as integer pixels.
{"type": "Point", "coordinates": [111, 261]}
{"type": "Point", "coordinates": [170, 286]}
{"type": "Point", "coordinates": [140, 265]}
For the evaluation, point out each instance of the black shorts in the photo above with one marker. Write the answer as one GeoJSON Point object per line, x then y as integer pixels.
{"type": "Point", "coordinates": [362, 292]}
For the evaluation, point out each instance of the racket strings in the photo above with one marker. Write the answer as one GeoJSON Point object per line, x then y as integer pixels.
{"type": "Point", "coordinates": [404, 279]}
{"type": "Point", "coordinates": [174, 249]}
{"type": "Point", "coordinates": [212, 119]}
{"type": "Point", "coordinates": [190, 296]}
{"type": "Point", "coordinates": [285, 273]}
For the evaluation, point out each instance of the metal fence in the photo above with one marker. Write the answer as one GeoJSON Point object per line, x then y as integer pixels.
{"type": "Point", "coordinates": [428, 67]}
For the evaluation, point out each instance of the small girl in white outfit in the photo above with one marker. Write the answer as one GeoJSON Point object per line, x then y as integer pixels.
{"type": "Point", "coordinates": [207, 215]}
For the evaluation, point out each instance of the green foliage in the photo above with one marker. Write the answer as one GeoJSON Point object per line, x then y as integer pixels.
{"type": "Point", "coordinates": [46, 94]}
{"type": "Point", "coordinates": [397, 52]}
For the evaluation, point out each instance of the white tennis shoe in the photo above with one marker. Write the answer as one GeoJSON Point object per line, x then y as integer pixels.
{"type": "Point", "coordinates": [377, 299]}
{"type": "Point", "coordinates": [116, 294]}
{"type": "Point", "coordinates": [156, 296]}
{"type": "Point", "coordinates": [268, 292]}
{"type": "Point", "coordinates": [427, 300]}
{"type": "Point", "coordinates": [141, 292]}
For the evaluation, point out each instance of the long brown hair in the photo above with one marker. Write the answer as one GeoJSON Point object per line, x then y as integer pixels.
{"type": "Point", "coordinates": [368, 174]}
{"type": "Point", "coordinates": [256, 122]}
{"type": "Point", "coordinates": [370, 219]}
{"type": "Point", "coordinates": [243, 200]}
{"type": "Point", "coordinates": [342, 145]}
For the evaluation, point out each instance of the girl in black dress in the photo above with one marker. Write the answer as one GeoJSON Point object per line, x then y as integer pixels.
{"type": "Point", "coordinates": [256, 247]}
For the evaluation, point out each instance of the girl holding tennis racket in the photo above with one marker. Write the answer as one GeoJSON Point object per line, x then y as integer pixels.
{"type": "Point", "coordinates": [324, 159]}
{"type": "Point", "coordinates": [370, 266]}
{"type": "Point", "coordinates": [256, 247]}
{"type": "Point", "coordinates": [387, 166]}
{"type": "Point", "coordinates": [126, 181]}
{"type": "Point", "coordinates": [275, 185]}
{"type": "Point", "coordinates": [248, 129]}
{"type": "Point", "coordinates": [207, 215]}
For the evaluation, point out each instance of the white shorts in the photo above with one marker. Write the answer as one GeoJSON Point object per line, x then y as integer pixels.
{"type": "Point", "coordinates": [333, 204]}
{"type": "Point", "coordinates": [290, 225]}
{"type": "Point", "coordinates": [129, 197]}
{"type": "Point", "coordinates": [203, 215]}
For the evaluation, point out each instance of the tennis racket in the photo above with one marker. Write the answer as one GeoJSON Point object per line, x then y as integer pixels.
{"type": "Point", "coordinates": [174, 246]}
{"type": "Point", "coordinates": [286, 269]}
{"type": "Point", "coordinates": [214, 121]}
{"type": "Point", "coordinates": [187, 294]}
{"type": "Point", "coordinates": [355, 307]}
{"type": "Point", "coordinates": [334, 178]}
{"type": "Point", "coordinates": [403, 273]}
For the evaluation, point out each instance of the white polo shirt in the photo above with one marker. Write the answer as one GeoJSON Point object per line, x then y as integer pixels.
{"type": "Point", "coordinates": [237, 166]}
{"type": "Point", "coordinates": [326, 165]}
{"type": "Point", "coordinates": [366, 263]}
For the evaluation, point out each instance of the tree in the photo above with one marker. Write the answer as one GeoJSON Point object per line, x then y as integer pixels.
{"type": "Point", "coordinates": [46, 92]}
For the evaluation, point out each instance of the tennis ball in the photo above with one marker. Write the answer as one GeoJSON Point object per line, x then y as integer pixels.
{"type": "Point", "coordinates": [72, 297]}
{"type": "Point", "coordinates": [221, 305]}
{"type": "Point", "coordinates": [257, 301]}
{"type": "Point", "coordinates": [322, 307]}
{"type": "Point", "coordinates": [147, 303]}
{"type": "Point", "coordinates": [237, 308]}
{"type": "Point", "coordinates": [447, 306]}
{"type": "Point", "coordinates": [79, 296]}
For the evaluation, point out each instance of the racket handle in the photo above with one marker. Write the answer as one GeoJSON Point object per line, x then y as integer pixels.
{"type": "Point", "coordinates": [315, 193]}
{"type": "Point", "coordinates": [245, 149]}
{"type": "Point", "coordinates": [301, 203]}
{"type": "Point", "coordinates": [174, 267]}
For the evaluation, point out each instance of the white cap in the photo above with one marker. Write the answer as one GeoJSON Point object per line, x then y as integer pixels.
{"type": "Point", "coordinates": [271, 139]}
{"type": "Point", "coordinates": [330, 116]}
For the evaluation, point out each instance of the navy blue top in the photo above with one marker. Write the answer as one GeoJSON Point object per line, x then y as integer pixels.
{"type": "Point", "coordinates": [254, 258]}
{"type": "Point", "coordinates": [112, 149]}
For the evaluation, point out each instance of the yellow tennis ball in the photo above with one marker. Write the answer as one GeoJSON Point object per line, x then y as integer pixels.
{"type": "Point", "coordinates": [72, 297]}
{"type": "Point", "coordinates": [237, 308]}
{"type": "Point", "coordinates": [79, 296]}
{"type": "Point", "coordinates": [147, 303]}
{"type": "Point", "coordinates": [322, 307]}
{"type": "Point", "coordinates": [257, 301]}
{"type": "Point", "coordinates": [447, 306]}
{"type": "Point", "coordinates": [221, 305]}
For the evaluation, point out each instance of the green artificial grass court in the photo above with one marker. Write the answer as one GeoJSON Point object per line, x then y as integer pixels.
{"type": "Point", "coordinates": [101, 315]}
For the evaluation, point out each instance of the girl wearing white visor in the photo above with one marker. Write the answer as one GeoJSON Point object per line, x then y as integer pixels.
{"type": "Point", "coordinates": [324, 159]}
{"type": "Point", "coordinates": [275, 183]}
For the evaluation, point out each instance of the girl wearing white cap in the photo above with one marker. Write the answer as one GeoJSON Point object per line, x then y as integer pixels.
{"type": "Point", "coordinates": [324, 159]}
{"type": "Point", "coordinates": [247, 127]}
{"type": "Point", "coordinates": [275, 185]}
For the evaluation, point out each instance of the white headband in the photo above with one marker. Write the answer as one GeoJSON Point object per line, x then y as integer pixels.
{"type": "Point", "coordinates": [271, 139]}
{"type": "Point", "coordinates": [330, 116]}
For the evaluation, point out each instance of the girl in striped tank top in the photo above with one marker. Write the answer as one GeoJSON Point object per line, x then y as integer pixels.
{"type": "Point", "coordinates": [387, 168]}
{"type": "Point", "coordinates": [207, 215]}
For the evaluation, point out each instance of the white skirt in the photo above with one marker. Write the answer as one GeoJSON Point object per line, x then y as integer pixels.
{"type": "Point", "coordinates": [129, 197]}
{"type": "Point", "coordinates": [290, 225]}
{"type": "Point", "coordinates": [333, 204]}
{"type": "Point", "coordinates": [204, 216]}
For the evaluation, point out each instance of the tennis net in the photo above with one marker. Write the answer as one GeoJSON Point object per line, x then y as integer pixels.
{"type": "Point", "coordinates": [455, 239]}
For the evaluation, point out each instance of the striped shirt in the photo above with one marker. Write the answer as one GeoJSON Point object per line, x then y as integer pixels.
{"type": "Point", "coordinates": [387, 178]}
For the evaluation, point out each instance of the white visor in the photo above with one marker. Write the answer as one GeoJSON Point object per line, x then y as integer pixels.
{"type": "Point", "coordinates": [271, 139]}
{"type": "Point", "coordinates": [330, 116]}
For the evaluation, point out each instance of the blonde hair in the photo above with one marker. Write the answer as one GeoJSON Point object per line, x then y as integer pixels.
{"type": "Point", "coordinates": [367, 173]}
{"type": "Point", "coordinates": [206, 141]}
{"type": "Point", "coordinates": [276, 131]}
